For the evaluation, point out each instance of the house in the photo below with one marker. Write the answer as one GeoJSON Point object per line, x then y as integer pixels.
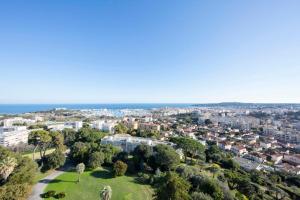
{"type": "Point", "coordinates": [239, 150]}
{"type": "Point", "coordinates": [248, 165]}
{"type": "Point", "coordinates": [292, 159]}
{"type": "Point", "coordinates": [224, 145]}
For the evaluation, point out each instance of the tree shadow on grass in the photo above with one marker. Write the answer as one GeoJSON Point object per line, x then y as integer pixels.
{"type": "Point", "coordinates": [102, 174]}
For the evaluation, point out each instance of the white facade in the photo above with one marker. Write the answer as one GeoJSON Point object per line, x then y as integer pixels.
{"type": "Point", "coordinates": [13, 135]}
{"type": "Point", "coordinates": [104, 125]}
{"type": "Point", "coordinates": [75, 125]}
{"type": "Point", "coordinates": [128, 143]}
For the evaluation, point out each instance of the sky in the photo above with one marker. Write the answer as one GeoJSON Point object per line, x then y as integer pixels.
{"type": "Point", "coordinates": [149, 51]}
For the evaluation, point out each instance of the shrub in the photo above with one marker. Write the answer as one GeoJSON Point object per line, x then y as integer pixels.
{"type": "Point", "coordinates": [120, 168]}
{"type": "Point", "coordinates": [96, 159]}
{"type": "Point", "coordinates": [60, 195]}
{"type": "Point", "coordinates": [48, 194]}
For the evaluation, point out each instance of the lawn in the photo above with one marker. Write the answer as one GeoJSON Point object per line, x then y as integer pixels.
{"type": "Point", "coordinates": [37, 154]}
{"type": "Point", "coordinates": [92, 182]}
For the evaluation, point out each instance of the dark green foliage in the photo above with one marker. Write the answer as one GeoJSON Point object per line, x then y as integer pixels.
{"type": "Point", "coordinates": [19, 182]}
{"type": "Point", "coordinates": [173, 187]}
{"type": "Point", "coordinates": [96, 159]}
{"type": "Point", "coordinates": [201, 196]}
{"type": "Point", "coordinates": [60, 195]}
{"type": "Point", "coordinates": [190, 147]}
{"type": "Point", "coordinates": [120, 168]}
{"type": "Point", "coordinates": [69, 136]}
{"type": "Point", "coordinates": [54, 160]}
{"type": "Point", "coordinates": [48, 194]}
{"type": "Point", "coordinates": [165, 157]}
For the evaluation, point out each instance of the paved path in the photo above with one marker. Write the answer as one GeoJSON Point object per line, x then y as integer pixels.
{"type": "Point", "coordinates": [38, 189]}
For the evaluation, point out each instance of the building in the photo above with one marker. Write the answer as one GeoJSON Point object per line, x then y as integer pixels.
{"type": "Point", "coordinates": [292, 159]}
{"type": "Point", "coordinates": [13, 135]}
{"type": "Point", "coordinates": [248, 165]}
{"type": "Point", "coordinates": [224, 145]}
{"type": "Point", "coordinates": [128, 143]}
{"type": "Point", "coordinates": [75, 125]}
{"type": "Point", "coordinates": [150, 126]}
{"type": "Point", "coordinates": [239, 150]}
{"type": "Point", "coordinates": [104, 125]}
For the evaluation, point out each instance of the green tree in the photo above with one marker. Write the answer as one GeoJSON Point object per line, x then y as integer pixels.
{"type": "Point", "coordinates": [120, 168]}
{"type": "Point", "coordinates": [166, 157]}
{"type": "Point", "coordinates": [173, 187]}
{"type": "Point", "coordinates": [201, 196]}
{"type": "Point", "coordinates": [106, 193]}
{"type": "Point", "coordinates": [80, 152]}
{"type": "Point", "coordinates": [190, 147]}
{"type": "Point", "coordinates": [96, 159]}
{"type": "Point", "coordinates": [120, 128]}
{"type": "Point", "coordinates": [40, 139]}
{"type": "Point", "coordinates": [69, 136]}
{"type": "Point", "coordinates": [7, 166]}
{"type": "Point", "coordinates": [54, 160]}
{"type": "Point", "coordinates": [80, 169]}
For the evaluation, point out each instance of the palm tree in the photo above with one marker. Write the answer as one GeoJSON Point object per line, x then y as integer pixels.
{"type": "Point", "coordinates": [106, 193]}
{"type": "Point", "coordinates": [80, 169]}
{"type": "Point", "coordinates": [7, 166]}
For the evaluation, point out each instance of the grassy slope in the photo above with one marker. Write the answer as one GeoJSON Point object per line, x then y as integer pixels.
{"type": "Point", "coordinates": [37, 154]}
{"type": "Point", "coordinates": [92, 182]}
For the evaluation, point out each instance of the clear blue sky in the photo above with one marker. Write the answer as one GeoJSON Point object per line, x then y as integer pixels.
{"type": "Point", "coordinates": [112, 51]}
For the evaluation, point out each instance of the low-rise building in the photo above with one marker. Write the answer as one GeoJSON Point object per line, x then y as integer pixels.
{"type": "Point", "coordinates": [128, 143]}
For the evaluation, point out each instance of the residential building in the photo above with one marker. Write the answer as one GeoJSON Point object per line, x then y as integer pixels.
{"type": "Point", "coordinates": [13, 135]}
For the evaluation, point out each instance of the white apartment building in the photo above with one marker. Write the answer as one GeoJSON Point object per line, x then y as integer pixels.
{"type": "Point", "coordinates": [11, 121]}
{"type": "Point", "coordinates": [75, 125]}
{"type": "Point", "coordinates": [128, 143]}
{"type": "Point", "coordinates": [13, 135]}
{"type": "Point", "coordinates": [288, 137]}
{"type": "Point", "coordinates": [105, 125]}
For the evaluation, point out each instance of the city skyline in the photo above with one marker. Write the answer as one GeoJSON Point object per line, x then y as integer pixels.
{"type": "Point", "coordinates": [149, 52]}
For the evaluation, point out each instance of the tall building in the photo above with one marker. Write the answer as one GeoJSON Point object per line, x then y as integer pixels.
{"type": "Point", "coordinates": [13, 135]}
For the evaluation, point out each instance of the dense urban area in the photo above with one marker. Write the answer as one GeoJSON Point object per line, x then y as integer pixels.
{"type": "Point", "coordinates": [221, 151]}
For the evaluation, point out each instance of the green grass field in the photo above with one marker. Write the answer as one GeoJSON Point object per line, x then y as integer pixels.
{"type": "Point", "coordinates": [37, 154]}
{"type": "Point", "coordinates": [92, 182]}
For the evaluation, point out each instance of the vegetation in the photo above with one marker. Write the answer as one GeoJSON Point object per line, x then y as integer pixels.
{"type": "Point", "coordinates": [106, 193]}
{"type": "Point", "coordinates": [80, 169]}
{"type": "Point", "coordinates": [17, 175]}
{"type": "Point", "coordinates": [92, 182]}
{"type": "Point", "coordinates": [120, 168]}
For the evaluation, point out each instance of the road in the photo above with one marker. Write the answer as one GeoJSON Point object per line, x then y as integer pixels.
{"type": "Point", "coordinates": [38, 189]}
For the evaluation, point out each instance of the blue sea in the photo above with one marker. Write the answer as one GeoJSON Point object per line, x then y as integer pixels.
{"type": "Point", "coordinates": [25, 108]}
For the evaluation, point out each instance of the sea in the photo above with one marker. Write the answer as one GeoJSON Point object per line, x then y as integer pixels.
{"type": "Point", "coordinates": [26, 108]}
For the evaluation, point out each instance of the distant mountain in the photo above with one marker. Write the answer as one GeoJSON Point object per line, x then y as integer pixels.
{"type": "Point", "coordinates": [240, 105]}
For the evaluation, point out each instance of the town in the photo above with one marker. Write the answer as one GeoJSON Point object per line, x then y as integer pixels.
{"type": "Point", "coordinates": [261, 138]}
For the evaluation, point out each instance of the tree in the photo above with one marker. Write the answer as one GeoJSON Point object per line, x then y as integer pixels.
{"type": "Point", "coordinates": [120, 128]}
{"type": "Point", "coordinates": [7, 166]}
{"type": "Point", "coordinates": [120, 168]}
{"type": "Point", "coordinates": [214, 168]}
{"type": "Point", "coordinates": [201, 196]}
{"type": "Point", "coordinates": [80, 152]}
{"type": "Point", "coordinates": [173, 187]}
{"type": "Point", "coordinates": [57, 140]}
{"type": "Point", "coordinates": [80, 169]}
{"type": "Point", "coordinates": [141, 154]}
{"type": "Point", "coordinates": [18, 183]}
{"type": "Point", "coordinates": [166, 157]}
{"type": "Point", "coordinates": [96, 159]}
{"type": "Point", "coordinates": [106, 193]}
{"type": "Point", "coordinates": [69, 136]}
{"type": "Point", "coordinates": [190, 146]}
{"type": "Point", "coordinates": [41, 139]}
{"type": "Point", "coordinates": [54, 160]}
